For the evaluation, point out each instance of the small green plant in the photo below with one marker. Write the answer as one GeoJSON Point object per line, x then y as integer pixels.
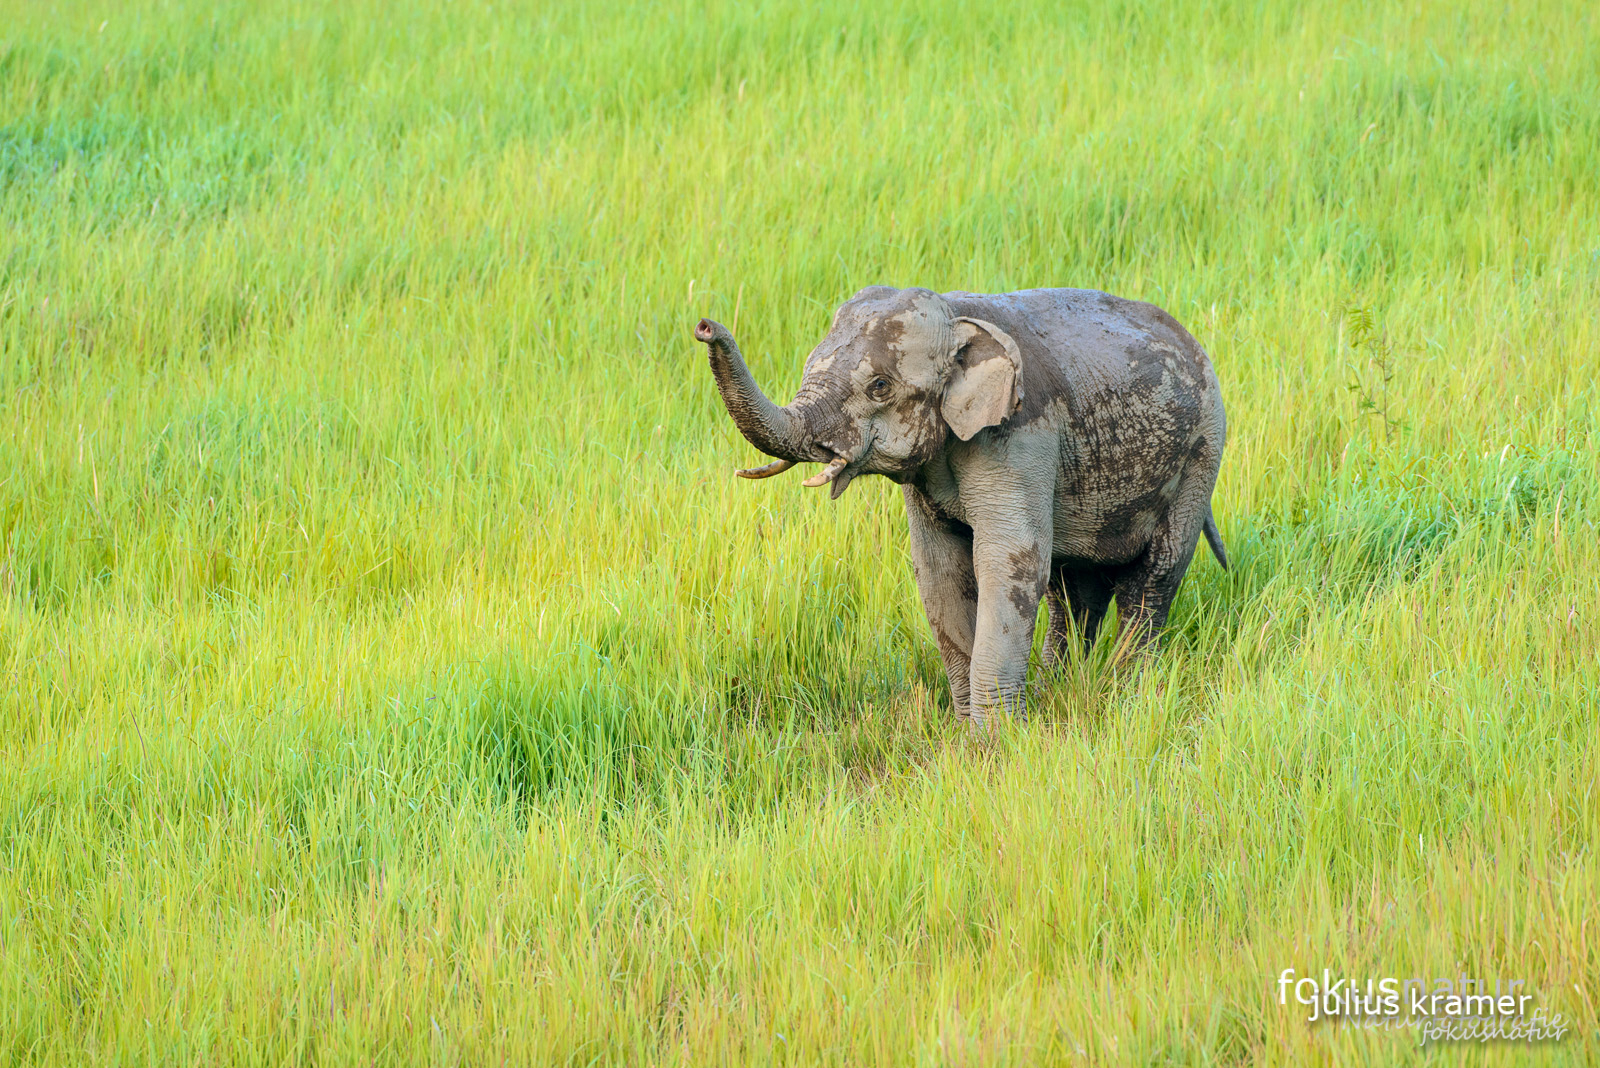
{"type": "Point", "coordinates": [1370, 377]}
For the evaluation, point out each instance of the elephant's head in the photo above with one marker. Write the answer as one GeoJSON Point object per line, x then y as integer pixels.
{"type": "Point", "coordinates": [897, 374]}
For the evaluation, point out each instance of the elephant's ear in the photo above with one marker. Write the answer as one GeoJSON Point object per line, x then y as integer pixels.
{"type": "Point", "coordinates": [987, 385]}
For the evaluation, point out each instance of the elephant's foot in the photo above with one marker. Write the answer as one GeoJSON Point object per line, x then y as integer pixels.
{"type": "Point", "coordinates": [1010, 708]}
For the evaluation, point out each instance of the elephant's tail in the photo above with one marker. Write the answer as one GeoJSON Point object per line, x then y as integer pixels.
{"type": "Point", "coordinates": [1214, 539]}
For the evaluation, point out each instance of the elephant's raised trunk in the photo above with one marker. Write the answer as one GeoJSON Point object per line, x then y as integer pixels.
{"type": "Point", "coordinates": [775, 431]}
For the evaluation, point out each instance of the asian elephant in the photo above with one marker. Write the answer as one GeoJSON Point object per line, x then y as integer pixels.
{"type": "Point", "coordinates": [1051, 443]}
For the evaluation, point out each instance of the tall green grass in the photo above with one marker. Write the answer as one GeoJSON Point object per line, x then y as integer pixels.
{"type": "Point", "coordinates": [393, 673]}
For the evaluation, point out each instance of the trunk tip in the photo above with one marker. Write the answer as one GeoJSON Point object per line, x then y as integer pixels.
{"type": "Point", "coordinates": [705, 330]}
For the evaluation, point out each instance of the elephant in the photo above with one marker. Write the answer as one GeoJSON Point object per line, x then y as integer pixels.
{"type": "Point", "coordinates": [1051, 444]}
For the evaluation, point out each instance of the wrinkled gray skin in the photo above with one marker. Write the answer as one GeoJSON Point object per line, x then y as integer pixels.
{"type": "Point", "coordinates": [1052, 443]}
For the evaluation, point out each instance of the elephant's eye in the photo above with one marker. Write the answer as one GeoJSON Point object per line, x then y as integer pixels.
{"type": "Point", "coordinates": [879, 390]}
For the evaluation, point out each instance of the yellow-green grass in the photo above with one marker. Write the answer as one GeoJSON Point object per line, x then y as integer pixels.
{"type": "Point", "coordinates": [393, 672]}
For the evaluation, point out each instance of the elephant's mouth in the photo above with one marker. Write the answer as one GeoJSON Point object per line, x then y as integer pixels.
{"type": "Point", "coordinates": [836, 472]}
{"type": "Point", "coordinates": [840, 471]}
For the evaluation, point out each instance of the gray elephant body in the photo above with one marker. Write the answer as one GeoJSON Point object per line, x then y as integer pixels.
{"type": "Point", "coordinates": [1056, 444]}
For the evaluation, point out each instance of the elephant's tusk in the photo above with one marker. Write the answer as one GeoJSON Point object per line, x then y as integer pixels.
{"type": "Point", "coordinates": [776, 467]}
{"type": "Point", "coordinates": [827, 474]}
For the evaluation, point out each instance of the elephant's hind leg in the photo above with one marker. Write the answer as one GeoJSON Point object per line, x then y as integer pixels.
{"type": "Point", "coordinates": [1146, 588]}
{"type": "Point", "coordinates": [1078, 600]}
{"type": "Point", "coordinates": [1059, 632]}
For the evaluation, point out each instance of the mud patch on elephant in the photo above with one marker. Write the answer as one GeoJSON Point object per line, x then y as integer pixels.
{"type": "Point", "coordinates": [913, 434]}
{"type": "Point", "coordinates": [948, 646]}
{"type": "Point", "coordinates": [1027, 566]}
{"type": "Point", "coordinates": [969, 585]}
{"type": "Point", "coordinates": [1124, 530]}
{"type": "Point", "coordinates": [887, 334]}
{"type": "Point", "coordinates": [1047, 392]}
{"type": "Point", "coordinates": [1025, 600]}
{"type": "Point", "coordinates": [1027, 580]}
{"type": "Point", "coordinates": [1149, 368]}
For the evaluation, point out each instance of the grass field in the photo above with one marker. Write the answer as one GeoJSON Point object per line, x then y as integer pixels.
{"type": "Point", "coordinates": [393, 673]}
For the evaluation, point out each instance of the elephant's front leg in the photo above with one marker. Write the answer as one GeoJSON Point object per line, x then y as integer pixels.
{"type": "Point", "coordinates": [1012, 566]}
{"type": "Point", "coordinates": [942, 557]}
